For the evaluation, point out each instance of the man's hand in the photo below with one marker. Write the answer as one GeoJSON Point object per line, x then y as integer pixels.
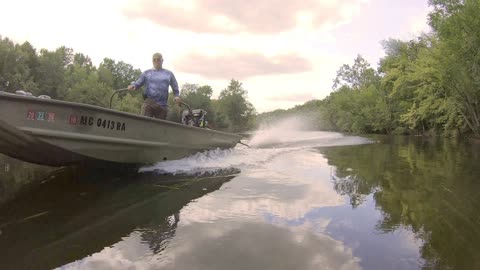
{"type": "Point", "coordinates": [177, 100]}
{"type": "Point", "coordinates": [131, 87]}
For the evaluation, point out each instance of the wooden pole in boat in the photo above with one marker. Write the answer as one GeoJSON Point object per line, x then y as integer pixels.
{"type": "Point", "coordinates": [244, 144]}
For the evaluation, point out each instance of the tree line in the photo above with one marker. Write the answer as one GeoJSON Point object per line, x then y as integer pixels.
{"type": "Point", "coordinates": [65, 75]}
{"type": "Point", "coordinates": [429, 85]}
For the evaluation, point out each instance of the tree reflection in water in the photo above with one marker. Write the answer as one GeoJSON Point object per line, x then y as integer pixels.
{"type": "Point", "coordinates": [157, 236]}
{"type": "Point", "coordinates": [78, 213]}
{"type": "Point", "coordinates": [16, 175]}
{"type": "Point", "coordinates": [428, 186]}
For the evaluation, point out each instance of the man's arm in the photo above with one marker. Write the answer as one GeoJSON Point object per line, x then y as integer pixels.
{"type": "Point", "coordinates": [174, 84]}
{"type": "Point", "coordinates": [138, 83]}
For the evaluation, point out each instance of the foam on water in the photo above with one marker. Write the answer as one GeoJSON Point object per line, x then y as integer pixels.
{"type": "Point", "coordinates": [265, 144]}
{"type": "Point", "coordinates": [215, 160]}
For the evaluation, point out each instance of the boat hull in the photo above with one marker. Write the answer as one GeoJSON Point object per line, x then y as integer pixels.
{"type": "Point", "coordinates": [56, 133]}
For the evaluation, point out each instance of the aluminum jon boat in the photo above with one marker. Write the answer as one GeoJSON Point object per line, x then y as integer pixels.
{"type": "Point", "coordinates": [57, 133]}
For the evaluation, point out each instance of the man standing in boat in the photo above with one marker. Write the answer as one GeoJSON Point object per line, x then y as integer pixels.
{"type": "Point", "coordinates": [156, 82]}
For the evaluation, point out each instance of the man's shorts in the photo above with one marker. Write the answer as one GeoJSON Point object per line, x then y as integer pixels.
{"type": "Point", "coordinates": [151, 109]}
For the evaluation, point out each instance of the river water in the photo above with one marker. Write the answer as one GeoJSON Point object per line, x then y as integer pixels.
{"type": "Point", "coordinates": [294, 200]}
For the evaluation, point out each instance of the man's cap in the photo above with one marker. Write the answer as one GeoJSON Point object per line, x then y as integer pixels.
{"type": "Point", "coordinates": [157, 55]}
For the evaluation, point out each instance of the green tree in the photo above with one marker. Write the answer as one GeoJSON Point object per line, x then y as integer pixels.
{"type": "Point", "coordinates": [234, 104]}
{"type": "Point", "coordinates": [117, 75]}
{"type": "Point", "coordinates": [26, 66]}
{"type": "Point", "coordinates": [88, 89]}
{"type": "Point", "coordinates": [8, 59]}
{"type": "Point", "coordinates": [199, 97]}
{"type": "Point", "coordinates": [456, 22]}
{"type": "Point", "coordinates": [358, 103]}
{"type": "Point", "coordinates": [50, 73]}
{"type": "Point", "coordinates": [399, 82]}
{"type": "Point", "coordinates": [17, 66]}
{"type": "Point", "coordinates": [221, 121]}
{"type": "Point", "coordinates": [356, 77]}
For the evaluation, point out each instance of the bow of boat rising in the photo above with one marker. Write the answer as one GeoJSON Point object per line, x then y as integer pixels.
{"type": "Point", "coordinates": [57, 133]}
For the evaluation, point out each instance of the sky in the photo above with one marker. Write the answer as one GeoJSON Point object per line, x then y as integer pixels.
{"type": "Point", "coordinates": [283, 52]}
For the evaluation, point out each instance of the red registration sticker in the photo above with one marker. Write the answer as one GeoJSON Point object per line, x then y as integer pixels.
{"type": "Point", "coordinates": [73, 120]}
{"type": "Point", "coordinates": [51, 117]}
{"type": "Point", "coordinates": [30, 115]}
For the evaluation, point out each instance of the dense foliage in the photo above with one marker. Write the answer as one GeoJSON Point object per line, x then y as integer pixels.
{"type": "Point", "coordinates": [429, 85]}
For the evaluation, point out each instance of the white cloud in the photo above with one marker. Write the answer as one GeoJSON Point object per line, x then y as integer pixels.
{"type": "Point", "coordinates": [241, 65]}
{"type": "Point", "coordinates": [231, 17]}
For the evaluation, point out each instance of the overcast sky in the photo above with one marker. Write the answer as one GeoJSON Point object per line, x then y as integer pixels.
{"type": "Point", "coordinates": [284, 52]}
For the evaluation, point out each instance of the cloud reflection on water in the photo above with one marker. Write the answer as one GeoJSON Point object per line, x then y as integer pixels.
{"type": "Point", "coordinates": [233, 245]}
{"type": "Point", "coordinates": [253, 245]}
{"type": "Point", "coordinates": [287, 187]}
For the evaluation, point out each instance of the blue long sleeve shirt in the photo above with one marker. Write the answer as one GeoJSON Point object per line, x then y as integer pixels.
{"type": "Point", "coordinates": [156, 85]}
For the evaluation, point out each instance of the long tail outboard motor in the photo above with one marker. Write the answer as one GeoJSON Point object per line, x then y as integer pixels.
{"type": "Point", "coordinates": [195, 118]}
